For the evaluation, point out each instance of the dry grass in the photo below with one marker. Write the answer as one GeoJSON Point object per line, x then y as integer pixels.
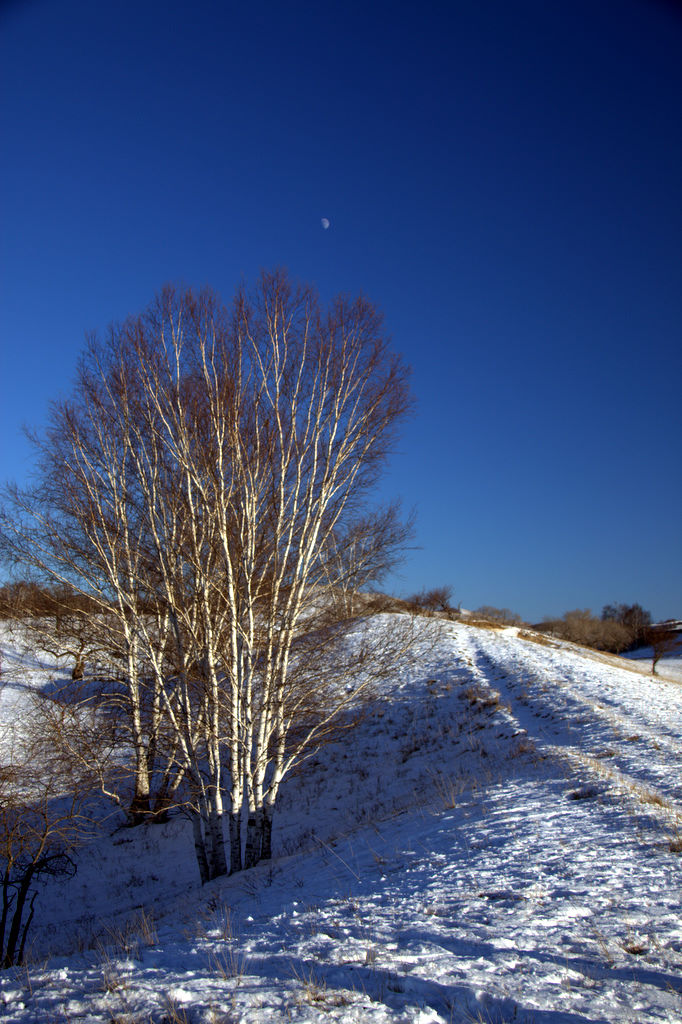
{"type": "Point", "coordinates": [675, 843]}
{"type": "Point", "coordinates": [635, 947]}
{"type": "Point", "coordinates": [536, 638]}
{"type": "Point", "coordinates": [495, 627]}
{"type": "Point", "coordinates": [136, 932]}
{"type": "Point", "coordinates": [314, 989]}
{"type": "Point", "coordinates": [174, 1013]}
{"type": "Point", "coordinates": [481, 697]}
{"type": "Point", "coordinates": [480, 1019]}
{"type": "Point", "coordinates": [629, 788]}
{"type": "Point", "coordinates": [230, 965]}
{"type": "Point", "coordinates": [448, 789]}
{"type": "Point", "coordinates": [523, 746]}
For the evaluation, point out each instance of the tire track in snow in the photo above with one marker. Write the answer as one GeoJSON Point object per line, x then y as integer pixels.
{"type": "Point", "coordinates": [553, 700]}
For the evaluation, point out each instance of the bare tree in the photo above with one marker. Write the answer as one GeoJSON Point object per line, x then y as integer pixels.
{"type": "Point", "coordinates": [56, 620]}
{"type": "Point", "coordinates": [90, 535]}
{"type": "Point", "coordinates": [437, 599]}
{"type": "Point", "coordinates": [43, 817]}
{"type": "Point", "coordinates": [663, 638]}
{"type": "Point", "coordinates": [361, 554]}
{"type": "Point", "coordinates": [217, 466]}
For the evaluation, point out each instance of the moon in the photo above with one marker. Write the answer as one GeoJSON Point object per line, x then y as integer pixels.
{"type": "Point", "coordinates": [325, 222]}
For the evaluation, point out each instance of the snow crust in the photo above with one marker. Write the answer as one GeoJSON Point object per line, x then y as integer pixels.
{"type": "Point", "coordinates": [495, 842]}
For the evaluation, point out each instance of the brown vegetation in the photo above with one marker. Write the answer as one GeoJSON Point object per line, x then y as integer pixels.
{"type": "Point", "coordinates": [502, 615]}
{"type": "Point", "coordinates": [436, 601]}
{"type": "Point", "coordinates": [618, 629]}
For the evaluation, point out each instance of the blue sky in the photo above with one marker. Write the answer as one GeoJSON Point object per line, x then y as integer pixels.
{"type": "Point", "coordinates": [503, 180]}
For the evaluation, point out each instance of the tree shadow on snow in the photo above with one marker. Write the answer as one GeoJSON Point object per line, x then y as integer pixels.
{"type": "Point", "coordinates": [589, 966]}
{"type": "Point", "coordinates": [397, 991]}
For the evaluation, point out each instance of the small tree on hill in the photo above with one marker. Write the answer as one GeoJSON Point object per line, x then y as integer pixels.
{"type": "Point", "coordinates": [663, 638]}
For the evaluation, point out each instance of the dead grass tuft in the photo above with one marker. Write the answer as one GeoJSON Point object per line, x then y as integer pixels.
{"type": "Point", "coordinates": [314, 990]}
{"type": "Point", "coordinates": [536, 638]}
{"type": "Point", "coordinates": [675, 843]}
{"type": "Point", "coordinates": [478, 696]}
{"type": "Point", "coordinates": [523, 746]}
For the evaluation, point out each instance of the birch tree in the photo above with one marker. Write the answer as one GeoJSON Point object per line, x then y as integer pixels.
{"type": "Point", "coordinates": [328, 397]}
{"type": "Point", "coordinates": [219, 466]}
{"type": "Point", "coordinates": [83, 527]}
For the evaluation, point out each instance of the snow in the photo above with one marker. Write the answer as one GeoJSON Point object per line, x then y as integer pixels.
{"type": "Point", "coordinates": [495, 842]}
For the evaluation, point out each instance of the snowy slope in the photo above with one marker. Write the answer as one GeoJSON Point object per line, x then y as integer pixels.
{"type": "Point", "coordinates": [499, 840]}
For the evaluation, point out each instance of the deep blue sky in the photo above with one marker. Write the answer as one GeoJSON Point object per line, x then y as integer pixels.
{"type": "Point", "coordinates": [502, 179]}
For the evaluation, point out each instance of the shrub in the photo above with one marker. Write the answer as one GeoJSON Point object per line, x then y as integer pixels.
{"type": "Point", "coordinates": [632, 617]}
{"type": "Point", "coordinates": [582, 627]}
{"type": "Point", "coordinates": [436, 600]}
{"type": "Point", "coordinates": [504, 615]}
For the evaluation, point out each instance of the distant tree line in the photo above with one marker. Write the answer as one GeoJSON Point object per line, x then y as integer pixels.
{"type": "Point", "coordinates": [26, 598]}
{"type": "Point", "coordinates": [620, 627]}
{"type": "Point", "coordinates": [505, 616]}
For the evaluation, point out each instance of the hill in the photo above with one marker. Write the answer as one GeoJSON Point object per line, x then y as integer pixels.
{"type": "Point", "coordinates": [498, 840]}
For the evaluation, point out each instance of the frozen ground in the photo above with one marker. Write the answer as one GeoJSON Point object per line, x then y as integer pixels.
{"type": "Point", "coordinates": [498, 841]}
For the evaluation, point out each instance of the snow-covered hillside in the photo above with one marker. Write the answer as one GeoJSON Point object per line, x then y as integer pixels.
{"type": "Point", "coordinates": [498, 840]}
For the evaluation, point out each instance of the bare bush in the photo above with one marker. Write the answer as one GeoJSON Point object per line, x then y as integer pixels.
{"type": "Point", "coordinates": [437, 600]}
{"type": "Point", "coordinates": [620, 628]}
{"type": "Point", "coordinates": [582, 627]}
{"type": "Point", "coordinates": [633, 618]}
{"type": "Point", "coordinates": [503, 615]}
